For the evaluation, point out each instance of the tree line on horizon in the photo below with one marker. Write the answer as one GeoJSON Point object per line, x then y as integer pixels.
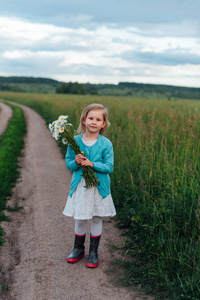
{"type": "Point", "coordinates": [47, 85]}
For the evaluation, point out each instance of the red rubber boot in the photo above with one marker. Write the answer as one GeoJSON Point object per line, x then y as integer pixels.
{"type": "Point", "coordinates": [79, 249]}
{"type": "Point", "coordinates": [93, 254]}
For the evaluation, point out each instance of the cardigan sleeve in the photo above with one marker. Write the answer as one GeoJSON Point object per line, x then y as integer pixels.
{"type": "Point", "coordinates": [107, 163]}
{"type": "Point", "coordinates": [70, 160]}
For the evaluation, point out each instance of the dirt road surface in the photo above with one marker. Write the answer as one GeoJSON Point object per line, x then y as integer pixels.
{"type": "Point", "coordinates": [5, 115]}
{"type": "Point", "coordinates": [39, 238]}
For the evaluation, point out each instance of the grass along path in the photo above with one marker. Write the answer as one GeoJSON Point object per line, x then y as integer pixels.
{"type": "Point", "coordinates": [11, 145]}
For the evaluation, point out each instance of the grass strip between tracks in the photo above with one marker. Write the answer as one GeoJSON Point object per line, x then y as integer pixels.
{"type": "Point", "coordinates": [11, 145]}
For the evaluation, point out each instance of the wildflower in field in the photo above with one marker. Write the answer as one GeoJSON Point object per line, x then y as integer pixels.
{"type": "Point", "coordinates": [61, 128]}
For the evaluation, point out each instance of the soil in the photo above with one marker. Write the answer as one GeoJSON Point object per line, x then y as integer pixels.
{"type": "Point", "coordinates": [5, 115]}
{"type": "Point", "coordinates": [40, 237]}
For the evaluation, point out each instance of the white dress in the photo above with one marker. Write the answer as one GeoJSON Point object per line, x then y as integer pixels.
{"type": "Point", "coordinates": [87, 203]}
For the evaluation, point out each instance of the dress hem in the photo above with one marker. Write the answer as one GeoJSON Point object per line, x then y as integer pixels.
{"type": "Point", "coordinates": [95, 215]}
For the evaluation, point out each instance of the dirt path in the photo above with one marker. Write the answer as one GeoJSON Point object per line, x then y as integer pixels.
{"type": "Point", "coordinates": [39, 238]}
{"type": "Point", "coordinates": [5, 115]}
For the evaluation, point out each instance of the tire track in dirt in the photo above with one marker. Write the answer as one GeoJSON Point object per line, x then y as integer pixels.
{"type": "Point", "coordinates": [5, 115]}
{"type": "Point", "coordinates": [43, 237]}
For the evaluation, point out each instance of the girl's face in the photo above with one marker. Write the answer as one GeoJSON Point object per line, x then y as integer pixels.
{"type": "Point", "coordinates": [94, 121]}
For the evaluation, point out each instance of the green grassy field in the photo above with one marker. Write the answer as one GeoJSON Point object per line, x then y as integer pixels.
{"type": "Point", "coordinates": [155, 185]}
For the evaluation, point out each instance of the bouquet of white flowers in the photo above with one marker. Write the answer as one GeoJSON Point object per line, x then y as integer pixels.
{"type": "Point", "coordinates": [62, 128]}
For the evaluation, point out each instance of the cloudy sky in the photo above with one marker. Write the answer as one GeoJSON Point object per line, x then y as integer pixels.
{"type": "Point", "coordinates": [104, 41]}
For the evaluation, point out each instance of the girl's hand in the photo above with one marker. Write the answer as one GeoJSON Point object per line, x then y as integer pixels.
{"type": "Point", "coordinates": [79, 159]}
{"type": "Point", "coordinates": [86, 162]}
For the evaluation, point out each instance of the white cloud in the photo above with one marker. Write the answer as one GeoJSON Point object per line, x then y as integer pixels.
{"type": "Point", "coordinates": [13, 28]}
{"type": "Point", "coordinates": [179, 76]}
{"type": "Point", "coordinates": [103, 54]}
{"type": "Point", "coordinates": [16, 54]}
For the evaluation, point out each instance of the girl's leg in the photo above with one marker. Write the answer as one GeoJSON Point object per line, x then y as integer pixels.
{"type": "Point", "coordinates": [79, 249]}
{"type": "Point", "coordinates": [80, 227]}
{"type": "Point", "coordinates": [96, 226]}
{"type": "Point", "coordinates": [95, 235]}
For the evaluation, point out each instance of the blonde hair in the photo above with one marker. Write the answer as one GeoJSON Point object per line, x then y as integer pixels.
{"type": "Point", "coordinates": [94, 106]}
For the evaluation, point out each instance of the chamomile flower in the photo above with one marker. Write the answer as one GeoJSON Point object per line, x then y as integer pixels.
{"type": "Point", "coordinates": [56, 135]}
{"type": "Point", "coordinates": [62, 118]}
{"type": "Point", "coordinates": [57, 124]}
{"type": "Point", "coordinates": [54, 122]}
{"type": "Point", "coordinates": [61, 129]}
{"type": "Point", "coordinates": [65, 142]}
{"type": "Point", "coordinates": [50, 127]}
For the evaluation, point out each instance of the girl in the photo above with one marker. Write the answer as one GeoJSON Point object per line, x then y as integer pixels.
{"type": "Point", "coordinates": [94, 203]}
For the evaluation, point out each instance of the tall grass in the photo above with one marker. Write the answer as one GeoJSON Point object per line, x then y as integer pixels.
{"type": "Point", "coordinates": [155, 185]}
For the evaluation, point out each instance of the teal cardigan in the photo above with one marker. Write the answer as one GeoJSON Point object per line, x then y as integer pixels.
{"type": "Point", "coordinates": [102, 156]}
